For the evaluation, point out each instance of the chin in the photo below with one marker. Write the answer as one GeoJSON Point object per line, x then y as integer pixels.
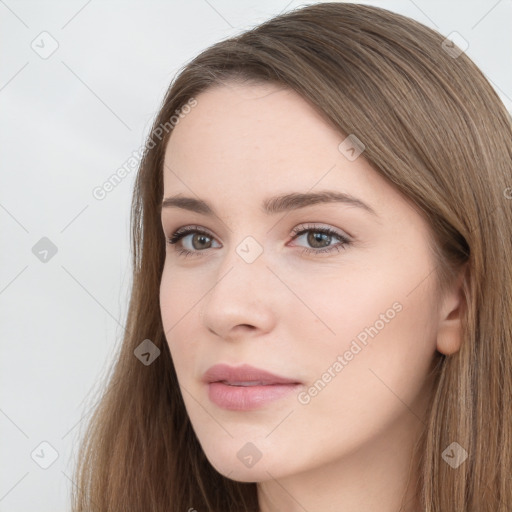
{"type": "Point", "coordinates": [247, 475]}
{"type": "Point", "coordinates": [236, 464]}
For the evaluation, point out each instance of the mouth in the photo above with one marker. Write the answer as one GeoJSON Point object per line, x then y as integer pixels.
{"type": "Point", "coordinates": [245, 387]}
{"type": "Point", "coordinates": [249, 383]}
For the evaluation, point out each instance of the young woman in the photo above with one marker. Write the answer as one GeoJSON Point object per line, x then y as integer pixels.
{"type": "Point", "coordinates": [321, 313]}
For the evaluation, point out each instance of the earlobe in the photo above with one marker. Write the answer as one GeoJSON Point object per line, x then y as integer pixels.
{"type": "Point", "coordinates": [451, 314]}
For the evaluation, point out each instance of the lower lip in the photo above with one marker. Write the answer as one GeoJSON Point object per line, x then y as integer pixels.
{"type": "Point", "coordinates": [243, 398]}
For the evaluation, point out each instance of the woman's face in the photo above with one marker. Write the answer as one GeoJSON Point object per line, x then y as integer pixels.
{"type": "Point", "coordinates": [349, 318]}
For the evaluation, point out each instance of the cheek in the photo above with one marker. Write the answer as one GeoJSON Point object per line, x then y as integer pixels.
{"type": "Point", "coordinates": [380, 319]}
{"type": "Point", "coordinates": [178, 300]}
{"type": "Point", "coordinates": [180, 294]}
{"type": "Point", "coordinates": [383, 301]}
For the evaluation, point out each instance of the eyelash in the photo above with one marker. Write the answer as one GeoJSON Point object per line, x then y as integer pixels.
{"type": "Point", "coordinates": [297, 232]}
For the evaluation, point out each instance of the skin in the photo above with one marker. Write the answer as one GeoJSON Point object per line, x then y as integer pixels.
{"type": "Point", "coordinates": [350, 447]}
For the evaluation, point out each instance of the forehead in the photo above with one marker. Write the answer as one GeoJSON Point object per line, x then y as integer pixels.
{"type": "Point", "coordinates": [248, 134]}
{"type": "Point", "coordinates": [250, 120]}
{"type": "Point", "coordinates": [244, 143]}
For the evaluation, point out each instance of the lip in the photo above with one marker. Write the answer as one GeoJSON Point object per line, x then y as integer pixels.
{"type": "Point", "coordinates": [245, 387]}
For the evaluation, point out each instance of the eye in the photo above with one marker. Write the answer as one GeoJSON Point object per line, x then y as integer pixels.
{"type": "Point", "coordinates": [198, 242]}
{"type": "Point", "coordinates": [319, 238]}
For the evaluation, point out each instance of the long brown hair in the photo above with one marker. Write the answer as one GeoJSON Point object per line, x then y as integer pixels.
{"type": "Point", "coordinates": [435, 128]}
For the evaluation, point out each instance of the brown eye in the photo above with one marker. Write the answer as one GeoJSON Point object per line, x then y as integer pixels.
{"type": "Point", "coordinates": [199, 240]}
{"type": "Point", "coordinates": [319, 239]}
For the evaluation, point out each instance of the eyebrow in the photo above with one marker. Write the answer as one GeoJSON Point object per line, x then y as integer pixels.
{"type": "Point", "coordinates": [272, 205]}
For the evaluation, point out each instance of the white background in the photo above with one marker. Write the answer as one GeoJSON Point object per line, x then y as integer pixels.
{"type": "Point", "coordinates": [69, 122]}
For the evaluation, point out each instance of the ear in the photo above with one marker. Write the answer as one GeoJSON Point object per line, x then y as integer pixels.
{"type": "Point", "coordinates": [451, 312]}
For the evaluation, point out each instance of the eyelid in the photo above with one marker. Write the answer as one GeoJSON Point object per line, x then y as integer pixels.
{"type": "Point", "coordinates": [322, 227]}
{"type": "Point", "coordinates": [183, 231]}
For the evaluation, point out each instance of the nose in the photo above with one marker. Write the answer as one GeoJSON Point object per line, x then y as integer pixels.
{"type": "Point", "coordinates": [243, 299]}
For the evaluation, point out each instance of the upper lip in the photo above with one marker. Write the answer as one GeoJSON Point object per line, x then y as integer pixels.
{"type": "Point", "coordinates": [243, 373]}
